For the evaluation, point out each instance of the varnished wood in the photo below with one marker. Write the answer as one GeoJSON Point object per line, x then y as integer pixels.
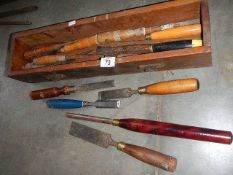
{"type": "Point", "coordinates": [149, 156]}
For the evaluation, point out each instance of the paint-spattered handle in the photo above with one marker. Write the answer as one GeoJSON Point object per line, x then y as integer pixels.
{"type": "Point", "coordinates": [171, 87]}
{"type": "Point", "coordinates": [190, 31]}
{"type": "Point", "coordinates": [149, 156]}
{"type": "Point", "coordinates": [65, 104]}
{"type": "Point", "coordinates": [51, 92]}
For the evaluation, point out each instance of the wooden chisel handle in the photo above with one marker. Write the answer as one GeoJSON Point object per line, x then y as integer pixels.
{"type": "Point", "coordinates": [190, 31]}
{"type": "Point", "coordinates": [149, 156]}
{"type": "Point", "coordinates": [174, 130]}
{"type": "Point", "coordinates": [51, 92]}
{"type": "Point", "coordinates": [170, 87]}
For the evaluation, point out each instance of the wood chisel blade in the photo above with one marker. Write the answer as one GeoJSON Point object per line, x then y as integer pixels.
{"type": "Point", "coordinates": [90, 135]}
{"type": "Point", "coordinates": [97, 85]}
{"type": "Point", "coordinates": [117, 93]}
{"type": "Point", "coordinates": [107, 104]}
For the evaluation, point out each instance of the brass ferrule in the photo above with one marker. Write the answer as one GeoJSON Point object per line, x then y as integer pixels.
{"type": "Point", "coordinates": [120, 145]}
{"type": "Point", "coordinates": [69, 89]}
{"type": "Point", "coordinates": [142, 90]}
{"type": "Point", "coordinates": [115, 122]}
{"type": "Point", "coordinates": [148, 37]}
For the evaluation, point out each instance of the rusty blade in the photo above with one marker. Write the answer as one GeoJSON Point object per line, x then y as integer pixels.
{"type": "Point", "coordinates": [91, 135]}
{"type": "Point", "coordinates": [97, 85]}
{"type": "Point", "coordinates": [115, 94]}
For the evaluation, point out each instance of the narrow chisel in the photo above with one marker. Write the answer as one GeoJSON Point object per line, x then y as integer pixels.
{"type": "Point", "coordinates": [161, 128]}
{"type": "Point", "coordinates": [71, 104]}
{"type": "Point", "coordinates": [66, 90]}
{"type": "Point", "coordinates": [160, 88]}
{"type": "Point", "coordinates": [105, 140]}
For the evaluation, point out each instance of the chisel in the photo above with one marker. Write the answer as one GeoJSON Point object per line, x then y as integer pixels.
{"type": "Point", "coordinates": [160, 88]}
{"type": "Point", "coordinates": [161, 128]}
{"type": "Point", "coordinates": [66, 90]}
{"type": "Point", "coordinates": [105, 140]}
{"type": "Point", "coordinates": [71, 104]}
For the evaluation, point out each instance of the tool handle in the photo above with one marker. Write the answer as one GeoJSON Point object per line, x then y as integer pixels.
{"type": "Point", "coordinates": [65, 104]}
{"type": "Point", "coordinates": [175, 130]}
{"type": "Point", "coordinates": [51, 92]}
{"type": "Point", "coordinates": [149, 156]}
{"type": "Point", "coordinates": [190, 31]}
{"type": "Point", "coordinates": [170, 87]}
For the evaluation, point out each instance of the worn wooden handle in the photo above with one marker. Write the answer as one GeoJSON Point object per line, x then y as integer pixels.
{"type": "Point", "coordinates": [51, 92]}
{"type": "Point", "coordinates": [175, 130]}
{"type": "Point", "coordinates": [149, 156]}
{"type": "Point", "coordinates": [48, 60]}
{"type": "Point", "coordinates": [171, 87]}
{"type": "Point", "coordinates": [190, 31]}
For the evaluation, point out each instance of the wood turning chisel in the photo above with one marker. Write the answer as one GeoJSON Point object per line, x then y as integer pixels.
{"type": "Point", "coordinates": [71, 104]}
{"type": "Point", "coordinates": [160, 88]}
{"type": "Point", "coordinates": [66, 90]}
{"type": "Point", "coordinates": [105, 140]}
{"type": "Point", "coordinates": [161, 128]}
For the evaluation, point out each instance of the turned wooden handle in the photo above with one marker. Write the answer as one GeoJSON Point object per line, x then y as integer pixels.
{"type": "Point", "coordinates": [175, 130]}
{"type": "Point", "coordinates": [48, 60]}
{"type": "Point", "coordinates": [149, 156]}
{"type": "Point", "coordinates": [51, 92]}
{"type": "Point", "coordinates": [190, 31]}
{"type": "Point", "coordinates": [171, 87]}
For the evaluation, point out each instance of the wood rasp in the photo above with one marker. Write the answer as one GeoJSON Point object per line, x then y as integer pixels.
{"type": "Point", "coordinates": [105, 140]}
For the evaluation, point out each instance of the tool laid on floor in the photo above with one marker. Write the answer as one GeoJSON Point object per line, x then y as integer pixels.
{"type": "Point", "coordinates": [66, 90]}
{"type": "Point", "coordinates": [142, 49]}
{"type": "Point", "coordinates": [160, 88]}
{"type": "Point", "coordinates": [161, 128]}
{"type": "Point", "coordinates": [71, 104]}
{"type": "Point", "coordinates": [104, 140]}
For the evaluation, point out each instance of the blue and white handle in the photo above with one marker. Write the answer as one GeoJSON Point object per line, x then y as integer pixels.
{"type": "Point", "coordinates": [66, 103]}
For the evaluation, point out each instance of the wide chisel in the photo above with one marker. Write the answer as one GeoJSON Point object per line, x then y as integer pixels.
{"type": "Point", "coordinates": [71, 104]}
{"type": "Point", "coordinates": [66, 90]}
{"type": "Point", "coordinates": [160, 88]}
{"type": "Point", "coordinates": [161, 128]}
{"type": "Point", "coordinates": [105, 140]}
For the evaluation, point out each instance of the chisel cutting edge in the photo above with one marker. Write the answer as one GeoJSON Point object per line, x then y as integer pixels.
{"type": "Point", "coordinates": [105, 140]}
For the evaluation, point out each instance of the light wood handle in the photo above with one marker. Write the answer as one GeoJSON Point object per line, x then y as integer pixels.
{"type": "Point", "coordinates": [190, 31]}
{"type": "Point", "coordinates": [171, 87]}
{"type": "Point", "coordinates": [50, 59]}
{"type": "Point", "coordinates": [149, 156]}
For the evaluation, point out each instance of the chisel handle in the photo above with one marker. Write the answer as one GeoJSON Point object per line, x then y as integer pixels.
{"type": "Point", "coordinates": [170, 87]}
{"type": "Point", "coordinates": [51, 92]}
{"type": "Point", "coordinates": [65, 104]}
{"type": "Point", "coordinates": [149, 156]}
{"type": "Point", "coordinates": [175, 130]}
{"type": "Point", "coordinates": [190, 31]}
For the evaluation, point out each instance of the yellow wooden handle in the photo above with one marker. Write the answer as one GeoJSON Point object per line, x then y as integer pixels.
{"type": "Point", "coordinates": [190, 31]}
{"type": "Point", "coordinates": [171, 87]}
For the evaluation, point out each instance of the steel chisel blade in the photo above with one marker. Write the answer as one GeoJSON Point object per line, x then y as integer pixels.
{"type": "Point", "coordinates": [90, 135]}
{"type": "Point", "coordinates": [114, 94]}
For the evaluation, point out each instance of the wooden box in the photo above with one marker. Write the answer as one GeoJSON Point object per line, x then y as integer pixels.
{"type": "Point", "coordinates": [147, 16]}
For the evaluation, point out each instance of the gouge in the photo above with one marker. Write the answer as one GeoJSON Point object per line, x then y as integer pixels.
{"type": "Point", "coordinates": [105, 140]}
{"type": "Point", "coordinates": [161, 128]}
{"type": "Point", "coordinates": [160, 88]}
{"type": "Point", "coordinates": [66, 90]}
{"type": "Point", "coordinates": [145, 48]}
{"type": "Point", "coordinates": [71, 104]}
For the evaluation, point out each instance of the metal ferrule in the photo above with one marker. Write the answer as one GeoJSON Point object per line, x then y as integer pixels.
{"type": "Point", "coordinates": [86, 103]}
{"type": "Point", "coordinates": [142, 90]}
{"type": "Point", "coordinates": [69, 89]}
{"type": "Point", "coordinates": [148, 37]}
{"type": "Point", "coordinates": [120, 145]}
{"type": "Point", "coordinates": [115, 122]}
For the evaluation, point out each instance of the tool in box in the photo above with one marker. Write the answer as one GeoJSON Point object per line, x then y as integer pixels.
{"type": "Point", "coordinates": [66, 90]}
{"type": "Point", "coordinates": [71, 104]}
{"type": "Point", "coordinates": [105, 140]}
{"type": "Point", "coordinates": [161, 128]}
{"type": "Point", "coordinates": [160, 88]}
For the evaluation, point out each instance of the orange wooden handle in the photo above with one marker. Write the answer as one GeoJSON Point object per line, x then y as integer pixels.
{"type": "Point", "coordinates": [190, 31]}
{"type": "Point", "coordinates": [51, 92]}
{"type": "Point", "coordinates": [50, 59]}
{"type": "Point", "coordinates": [149, 156]}
{"type": "Point", "coordinates": [171, 87]}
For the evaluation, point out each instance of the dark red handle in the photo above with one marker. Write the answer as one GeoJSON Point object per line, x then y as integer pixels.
{"type": "Point", "coordinates": [51, 92]}
{"type": "Point", "coordinates": [175, 130]}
